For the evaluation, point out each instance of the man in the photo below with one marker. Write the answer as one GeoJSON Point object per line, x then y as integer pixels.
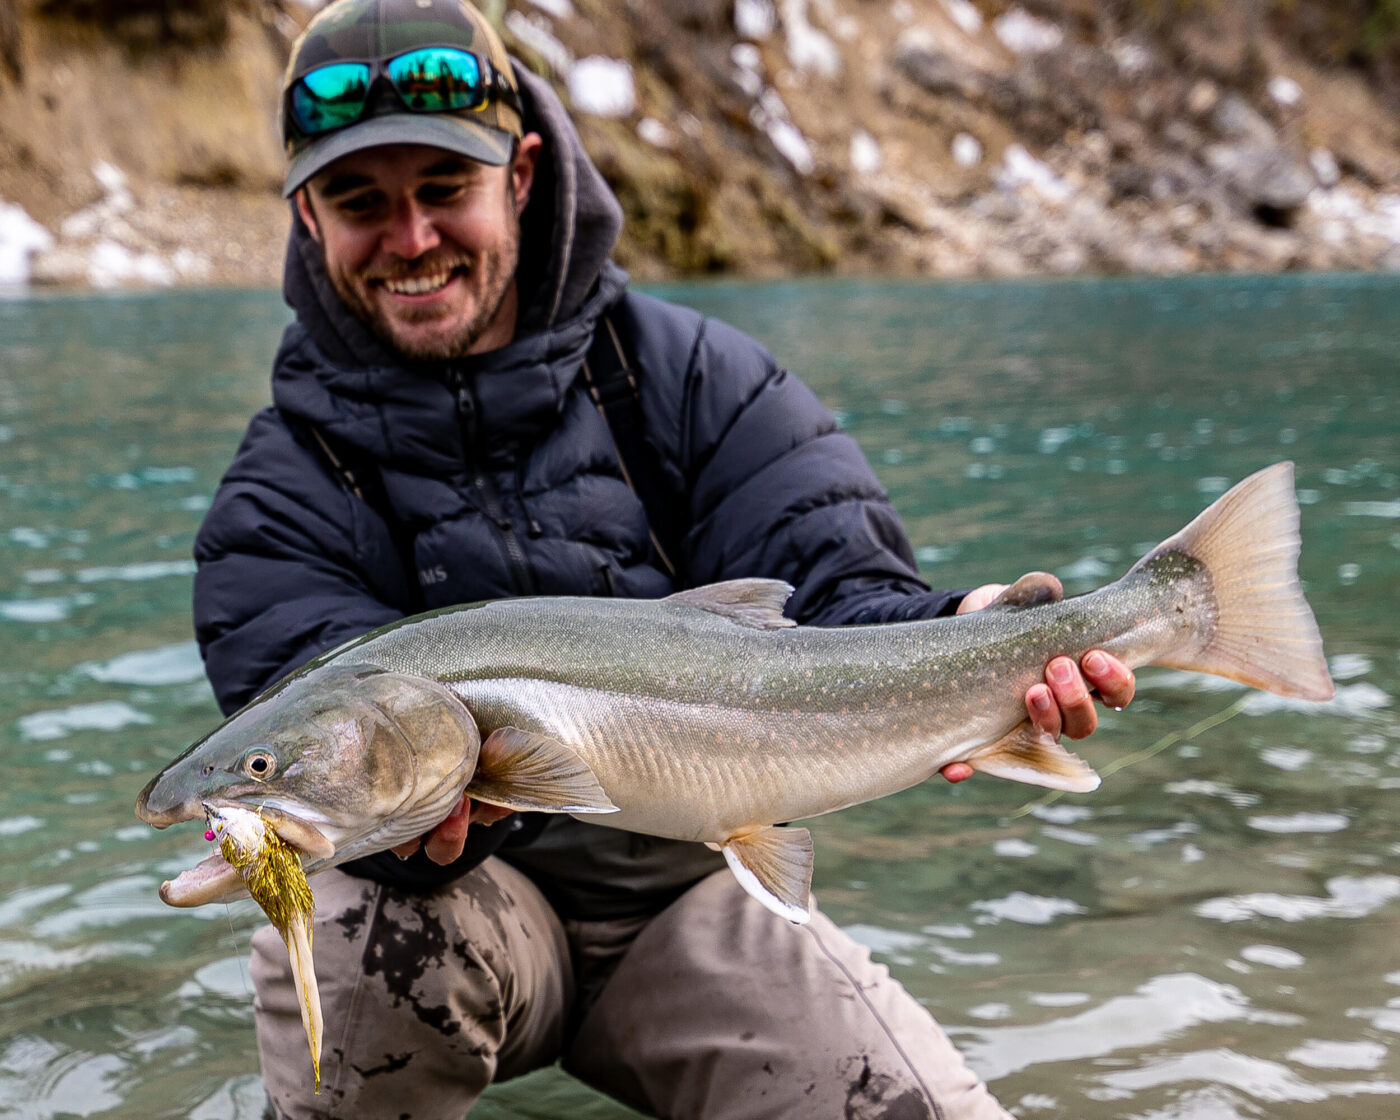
{"type": "Point", "coordinates": [434, 441]}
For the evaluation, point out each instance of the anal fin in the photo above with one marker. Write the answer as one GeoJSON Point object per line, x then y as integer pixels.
{"type": "Point", "coordinates": [527, 771]}
{"type": "Point", "coordinates": [775, 866]}
{"type": "Point", "coordinates": [1026, 754]}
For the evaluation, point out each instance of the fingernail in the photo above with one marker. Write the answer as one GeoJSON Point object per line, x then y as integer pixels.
{"type": "Point", "coordinates": [1060, 672]}
{"type": "Point", "coordinates": [1096, 663]}
{"type": "Point", "coordinates": [1041, 702]}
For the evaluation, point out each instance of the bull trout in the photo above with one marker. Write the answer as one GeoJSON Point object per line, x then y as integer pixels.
{"type": "Point", "coordinates": [709, 716]}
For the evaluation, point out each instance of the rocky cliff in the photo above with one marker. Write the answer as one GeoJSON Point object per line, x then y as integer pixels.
{"type": "Point", "coordinates": [762, 136]}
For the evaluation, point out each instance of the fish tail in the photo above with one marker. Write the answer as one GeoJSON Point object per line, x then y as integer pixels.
{"type": "Point", "coordinates": [1263, 632]}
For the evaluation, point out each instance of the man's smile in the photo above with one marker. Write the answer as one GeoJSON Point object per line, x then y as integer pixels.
{"type": "Point", "coordinates": [423, 284]}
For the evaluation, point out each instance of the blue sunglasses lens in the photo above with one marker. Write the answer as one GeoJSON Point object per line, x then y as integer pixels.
{"type": "Point", "coordinates": [331, 96]}
{"type": "Point", "coordinates": [437, 78]}
{"type": "Point", "coordinates": [428, 80]}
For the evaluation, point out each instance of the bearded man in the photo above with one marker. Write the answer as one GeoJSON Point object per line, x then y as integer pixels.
{"type": "Point", "coordinates": [471, 404]}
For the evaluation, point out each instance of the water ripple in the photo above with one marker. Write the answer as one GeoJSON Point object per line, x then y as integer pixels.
{"type": "Point", "coordinates": [104, 715]}
{"type": "Point", "coordinates": [1349, 898]}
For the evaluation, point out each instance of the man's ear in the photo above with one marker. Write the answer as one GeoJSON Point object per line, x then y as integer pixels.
{"type": "Point", "coordinates": [522, 168]}
{"type": "Point", "coordinates": [308, 215]}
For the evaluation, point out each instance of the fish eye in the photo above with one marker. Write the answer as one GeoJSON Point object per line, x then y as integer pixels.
{"type": "Point", "coordinates": [259, 764]}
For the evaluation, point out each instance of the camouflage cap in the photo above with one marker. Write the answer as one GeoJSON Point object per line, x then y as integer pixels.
{"type": "Point", "coordinates": [370, 30]}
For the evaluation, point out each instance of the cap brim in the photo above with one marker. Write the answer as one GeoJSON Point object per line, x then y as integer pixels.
{"type": "Point", "coordinates": [448, 131]}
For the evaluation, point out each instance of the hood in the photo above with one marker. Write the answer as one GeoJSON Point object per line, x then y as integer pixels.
{"type": "Point", "coordinates": [334, 372]}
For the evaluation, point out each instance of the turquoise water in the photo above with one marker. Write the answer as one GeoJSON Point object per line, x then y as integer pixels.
{"type": "Point", "coordinates": [1213, 934]}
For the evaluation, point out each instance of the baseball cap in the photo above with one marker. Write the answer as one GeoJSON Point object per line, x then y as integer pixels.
{"type": "Point", "coordinates": [430, 72]}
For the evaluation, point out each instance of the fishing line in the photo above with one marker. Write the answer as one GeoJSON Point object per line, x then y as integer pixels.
{"type": "Point", "coordinates": [1171, 738]}
{"type": "Point", "coordinates": [238, 949]}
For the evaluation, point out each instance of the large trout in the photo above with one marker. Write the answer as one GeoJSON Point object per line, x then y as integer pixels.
{"type": "Point", "coordinates": [708, 716]}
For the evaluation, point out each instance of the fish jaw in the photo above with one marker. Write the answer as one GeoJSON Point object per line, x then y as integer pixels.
{"type": "Point", "coordinates": [214, 879]}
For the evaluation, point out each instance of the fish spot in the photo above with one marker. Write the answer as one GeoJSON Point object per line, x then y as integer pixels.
{"type": "Point", "coordinates": [747, 1036]}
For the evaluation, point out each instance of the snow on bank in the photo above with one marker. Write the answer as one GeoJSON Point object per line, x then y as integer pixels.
{"type": "Point", "coordinates": [20, 237]}
{"type": "Point", "coordinates": [602, 87]}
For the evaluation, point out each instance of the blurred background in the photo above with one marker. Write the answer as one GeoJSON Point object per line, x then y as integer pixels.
{"type": "Point", "coordinates": [924, 137]}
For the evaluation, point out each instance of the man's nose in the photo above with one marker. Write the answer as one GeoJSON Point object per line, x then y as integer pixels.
{"type": "Point", "coordinates": [411, 231]}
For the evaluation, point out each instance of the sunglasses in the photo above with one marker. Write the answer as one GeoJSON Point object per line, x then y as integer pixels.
{"type": "Point", "coordinates": [427, 80]}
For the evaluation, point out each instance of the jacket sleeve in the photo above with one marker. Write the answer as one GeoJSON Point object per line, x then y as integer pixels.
{"type": "Point", "coordinates": [776, 489]}
{"type": "Point", "coordinates": [283, 561]}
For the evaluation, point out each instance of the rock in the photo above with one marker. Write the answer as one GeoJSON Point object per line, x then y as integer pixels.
{"type": "Point", "coordinates": [1236, 120]}
{"type": "Point", "coordinates": [1269, 183]}
{"type": "Point", "coordinates": [935, 70]}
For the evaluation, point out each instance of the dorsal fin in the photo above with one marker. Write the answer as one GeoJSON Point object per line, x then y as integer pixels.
{"type": "Point", "coordinates": [1031, 590]}
{"type": "Point", "coordinates": [749, 602]}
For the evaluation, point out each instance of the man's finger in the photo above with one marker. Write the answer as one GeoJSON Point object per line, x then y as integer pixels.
{"type": "Point", "coordinates": [446, 841]}
{"type": "Point", "coordinates": [1113, 680]}
{"type": "Point", "coordinates": [1044, 712]}
{"type": "Point", "coordinates": [1077, 712]}
{"type": "Point", "coordinates": [957, 772]}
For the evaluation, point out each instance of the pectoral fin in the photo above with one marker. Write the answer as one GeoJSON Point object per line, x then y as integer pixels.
{"type": "Point", "coordinates": [775, 866]}
{"type": "Point", "coordinates": [1027, 754]}
{"type": "Point", "coordinates": [528, 771]}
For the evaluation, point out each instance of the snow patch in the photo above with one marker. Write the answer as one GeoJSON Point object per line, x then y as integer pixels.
{"type": "Point", "coordinates": [602, 87]}
{"type": "Point", "coordinates": [967, 17]}
{"type": "Point", "coordinates": [1021, 169]}
{"type": "Point", "coordinates": [559, 9]}
{"type": "Point", "coordinates": [653, 132]}
{"type": "Point", "coordinates": [866, 157]}
{"type": "Point", "coordinates": [808, 49]}
{"type": "Point", "coordinates": [1285, 91]}
{"type": "Point", "coordinates": [1022, 33]}
{"type": "Point", "coordinates": [770, 115]}
{"type": "Point", "coordinates": [533, 31]}
{"type": "Point", "coordinates": [20, 237]}
{"type": "Point", "coordinates": [754, 19]}
{"type": "Point", "coordinates": [967, 150]}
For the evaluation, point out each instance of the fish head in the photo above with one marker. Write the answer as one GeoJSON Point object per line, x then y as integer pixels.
{"type": "Point", "coordinates": [341, 761]}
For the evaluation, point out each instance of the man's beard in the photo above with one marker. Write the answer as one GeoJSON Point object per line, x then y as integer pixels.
{"type": "Point", "coordinates": [495, 270]}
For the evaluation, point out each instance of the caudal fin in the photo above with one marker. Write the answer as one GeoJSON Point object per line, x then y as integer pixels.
{"type": "Point", "coordinates": [1264, 633]}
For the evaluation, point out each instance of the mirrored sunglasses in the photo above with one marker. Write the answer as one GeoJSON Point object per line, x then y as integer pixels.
{"type": "Point", "coordinates": [427, 80]}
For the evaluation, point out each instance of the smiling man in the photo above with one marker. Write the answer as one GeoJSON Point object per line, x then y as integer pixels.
{"type": "Point", "coordinates": [471, 404]}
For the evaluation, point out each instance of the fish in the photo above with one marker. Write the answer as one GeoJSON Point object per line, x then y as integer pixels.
{"type": "Point", "coordinates": [709, 716]}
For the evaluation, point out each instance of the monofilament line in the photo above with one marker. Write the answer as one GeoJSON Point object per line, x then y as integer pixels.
{"type": "Point", "coordinates": [1168, 740]}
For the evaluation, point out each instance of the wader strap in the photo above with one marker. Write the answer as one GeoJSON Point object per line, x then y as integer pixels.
{"type": "Point", "coordinates": [613, 386]}
{"type": "Point", "coordinates": [359, 475]}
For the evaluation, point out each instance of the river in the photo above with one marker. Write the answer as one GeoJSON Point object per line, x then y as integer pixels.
{"type": "Point", "coordinates": [1213, 934]}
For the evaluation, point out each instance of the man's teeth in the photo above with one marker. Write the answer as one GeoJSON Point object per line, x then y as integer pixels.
{"type": "Point", "coordinates": [418, 285]}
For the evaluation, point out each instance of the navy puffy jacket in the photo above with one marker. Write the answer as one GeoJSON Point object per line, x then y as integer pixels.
{"type": "Point", "coordinates": [503, 479]}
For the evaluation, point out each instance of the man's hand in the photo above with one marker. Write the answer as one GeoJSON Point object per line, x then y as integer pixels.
{"type": "Point", "coordinates": [1064, 703]}
{"type": "Point", "coordinates": [445, 842]}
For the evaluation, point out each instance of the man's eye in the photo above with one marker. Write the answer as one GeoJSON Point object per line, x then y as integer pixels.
{"type": "Point", "coordinates": [437, 194]}
{"type": "Point", "coordinates": [358, 204]}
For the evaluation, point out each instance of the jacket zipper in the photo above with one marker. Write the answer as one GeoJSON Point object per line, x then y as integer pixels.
{"type": "Point", "coordinates": [522, 576]}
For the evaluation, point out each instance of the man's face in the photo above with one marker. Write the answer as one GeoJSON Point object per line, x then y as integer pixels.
{"type": "Point", "coordinates": [422, 244]}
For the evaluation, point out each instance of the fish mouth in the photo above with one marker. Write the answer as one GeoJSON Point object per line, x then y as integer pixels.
{"type": "Point", "coordinates": [214, 879]}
